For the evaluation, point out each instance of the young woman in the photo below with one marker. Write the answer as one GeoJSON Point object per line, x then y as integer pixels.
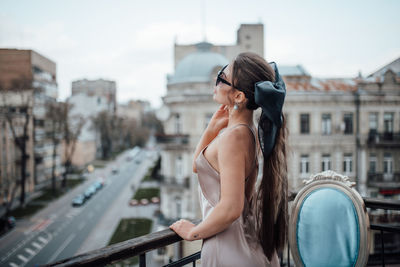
{"type": "Point", "coordinates": [242, 225]}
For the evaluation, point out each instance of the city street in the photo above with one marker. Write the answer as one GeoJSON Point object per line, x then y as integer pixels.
{"type": "Point", "coordinates": [60, 230]}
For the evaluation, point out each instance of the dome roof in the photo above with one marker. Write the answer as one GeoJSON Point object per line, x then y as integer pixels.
{"type": "Point", "coordinates": [197, 66]}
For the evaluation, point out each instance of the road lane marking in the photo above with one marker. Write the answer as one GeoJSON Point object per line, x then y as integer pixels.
{"type": "Point", "coordinates": [22, 258]}
{"type": "Point", "coordinates": [36, 245]}
{"type": "Point", "coordinates": [62, 247]}
{"type": "Point", "coordinates": [12, 264]}
{"type": "Point", "coordinates": [30, 251]}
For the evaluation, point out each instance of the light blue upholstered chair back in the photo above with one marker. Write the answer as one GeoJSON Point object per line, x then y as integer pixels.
{"type": "Point", "coordinates": [329, 224]}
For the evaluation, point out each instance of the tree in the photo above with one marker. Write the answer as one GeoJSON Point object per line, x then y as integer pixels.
{"type": "Point", "coordinates": [151, 122]}
{"type": "Point", "coordinates": [16, 108]}
{"type": "Point", "coordinates": [103, 124]}
{"type": "Point", "coordinates": [71, 130]}
{"type": "Point", "coordinates": [55, 116]}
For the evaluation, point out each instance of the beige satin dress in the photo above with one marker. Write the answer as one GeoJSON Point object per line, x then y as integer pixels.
{"type": "Point", "coordinates": [236, 246]}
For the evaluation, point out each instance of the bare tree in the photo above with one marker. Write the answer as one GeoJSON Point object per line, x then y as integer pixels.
{"type": "Point", "coordinates": [71, 130]}
{"type": "Point", "coordinates": [103, 124]}
{"type": "Point", "coordinates": [16, 107]}
{"type": "Point", "coordinates": [55, 116]}
{"type": "Point", "coordinates": [9, 181]}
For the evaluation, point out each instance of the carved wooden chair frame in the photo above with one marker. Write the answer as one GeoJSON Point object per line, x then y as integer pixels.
{"type": "Point", "coordinates": [331, 179]}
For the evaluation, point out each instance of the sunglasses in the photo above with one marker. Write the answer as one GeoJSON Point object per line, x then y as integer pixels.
{"type": "Point", "coordinates": [220, 79]}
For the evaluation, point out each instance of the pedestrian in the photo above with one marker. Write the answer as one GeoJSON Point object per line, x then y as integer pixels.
{"type": "Point", "coordinates": [244, 221]}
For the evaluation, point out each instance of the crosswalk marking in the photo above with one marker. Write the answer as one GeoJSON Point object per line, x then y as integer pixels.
{"type": "Point", "coordinates": [43, 240]}
{"type": "Point", "coordinates": [36, 245]}
{"type": "Point", "coordinates": [22, 258]}
{"type": "Point", "coordinates": [30, 251]}
{"type": "Point", "coordinates": [12, 264]}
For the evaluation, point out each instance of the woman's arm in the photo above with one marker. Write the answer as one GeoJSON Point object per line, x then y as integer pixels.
{"type": "Point", "coordinates": [231, 162]}
{"type": "Point", "coordinates": [217, 122]}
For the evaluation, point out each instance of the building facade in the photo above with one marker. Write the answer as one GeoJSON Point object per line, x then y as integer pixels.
{"type": "Point", "coordinates": [89, 98]}
{"type": "Point", "coordinates": [349, 125]}
{"type": "Point", "coordinates": [40, 73]}
{"type": "Point", "coordinates": [133, 110]}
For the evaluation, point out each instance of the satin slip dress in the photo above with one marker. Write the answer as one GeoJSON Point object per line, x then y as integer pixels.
{"type": "Point", "coordinates": [236, 246]}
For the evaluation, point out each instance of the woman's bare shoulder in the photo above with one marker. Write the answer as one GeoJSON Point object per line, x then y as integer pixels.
{"type": "Point", "coordinates": [237, 138]}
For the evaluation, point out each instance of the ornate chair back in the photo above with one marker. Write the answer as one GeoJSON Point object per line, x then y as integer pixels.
{"type": "Point", "coordinates": [329, 223]}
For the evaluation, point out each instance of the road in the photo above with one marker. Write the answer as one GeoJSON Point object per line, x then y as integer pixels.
{"type": "Point", "coordinates": [58, 231]}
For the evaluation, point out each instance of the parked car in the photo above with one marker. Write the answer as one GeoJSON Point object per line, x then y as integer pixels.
{"type": "Point", "coordinates": [90, 192]}
{"type": "Point", "coordinates": [98, 185]}
{"type": "Point", "coordinates": [78, 201]}
{"type": "Point", "coordinates": [6, 223]}
{"type": "Point", "coordinates": [114, 170]}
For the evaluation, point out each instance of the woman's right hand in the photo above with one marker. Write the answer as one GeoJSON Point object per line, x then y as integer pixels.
{"type": "Point", "coordinates": [219, 120]}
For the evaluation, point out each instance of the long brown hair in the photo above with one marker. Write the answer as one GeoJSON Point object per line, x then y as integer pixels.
{"type": "Point", "coordinates": [271, 201]}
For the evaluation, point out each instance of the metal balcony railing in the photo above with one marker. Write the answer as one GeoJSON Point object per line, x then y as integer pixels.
{"type": "Point", "coordinates": [384, 139]}
{"type": "Point", "coordinates": [384, 180]}
{"type": "Point", "coordinates": [173, 139]}
{"type": "Point", "coordinates": [175, 182]}
{"type": "Point", "coordinates": [141, 245]}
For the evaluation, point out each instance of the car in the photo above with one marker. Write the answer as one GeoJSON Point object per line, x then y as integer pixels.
{"type": "Point", "coordinates": [98, 185]}
{"type": "Point", "coordinates": [90, 192]}
{"type": "Point", "coordinates": [114, 170]}
{"type": "Point", "coordinates": [78, 201]}
{"type": "Point", "coordinates": [6, 223]}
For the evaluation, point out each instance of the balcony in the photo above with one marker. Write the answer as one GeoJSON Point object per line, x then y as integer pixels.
{"type": "Point", "coordinates": [173, 141]}
{"type": "Point", "coordinates": [388, 139]}
{"type": "Point", "coordinates": [384, 251]}
{"type": "Point", "coordinates": [384, 180]}
{"type": "Point", "coordinates": [175, 182]}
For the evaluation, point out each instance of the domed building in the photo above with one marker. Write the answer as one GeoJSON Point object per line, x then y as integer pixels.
{"type": "Point", "coordinates": [188, 106]}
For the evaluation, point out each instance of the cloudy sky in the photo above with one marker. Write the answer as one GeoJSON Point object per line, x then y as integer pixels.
{"type": "Point", "coordinates": [132, 41]}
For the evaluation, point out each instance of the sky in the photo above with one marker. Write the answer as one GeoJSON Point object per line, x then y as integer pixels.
{"type": "Point", "coordinates": [131, 42]}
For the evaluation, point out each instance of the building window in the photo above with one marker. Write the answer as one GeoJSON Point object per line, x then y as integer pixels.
{"type": "Point", "coordinates": [348, 163]}
{"type": "Point", "coordinates": [348, 123]}
{"type": "Point", "coordinates": [178, 124]}
{"type": "Point", "coordinates": [387, 164]}
{"type": "Point", "coordinates": [388, 122]}
{"type": "Point", "coordinates": [326, 162]}
{"type": "Point", "coordinates": [304, 164]}
{"type": "Point", "coordinates": [373, 122]}
{"type": "Point", "coordinates": [98, 101]}
{"type": "Point", "coordinates": [372, 163]}
{"type": "Point", "coordinates": [178, 202]}
{"type": "Point", "coordinates": [179, 168]}
{"type": "Point", "coordinates": [304, 123]}
{"type": "Point", "coordinates": [326, 124]}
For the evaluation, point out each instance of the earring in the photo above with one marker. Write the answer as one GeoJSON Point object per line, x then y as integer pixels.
{"type": "Point", "coordinates": [236, 106]}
